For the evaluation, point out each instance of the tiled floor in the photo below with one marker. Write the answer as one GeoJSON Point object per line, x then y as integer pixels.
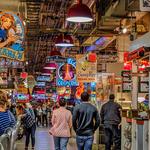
{"type": "Point", "coordinates": [44, 141]}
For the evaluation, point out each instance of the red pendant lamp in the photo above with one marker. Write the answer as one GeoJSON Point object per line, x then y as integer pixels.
{"type": "Point", "coordinates": [64, 41]}
{"type": "Point", "coordinates": [46, 72]}
{"type": "Point", "coordinates": [79, 13]}
{"type": "Point", "coordinates": [50, 66]}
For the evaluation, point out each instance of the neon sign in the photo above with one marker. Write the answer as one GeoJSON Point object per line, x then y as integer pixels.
{"type": "Point", "coordinates": [40, 84]}
{"type": "Point", "coordinates": [66, 75]}
{"type": "Point", "coordinates": [43, 78]}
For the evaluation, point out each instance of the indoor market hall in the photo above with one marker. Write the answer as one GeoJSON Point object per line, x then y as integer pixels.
{"type": "Point", "coordinates": [74, 74]}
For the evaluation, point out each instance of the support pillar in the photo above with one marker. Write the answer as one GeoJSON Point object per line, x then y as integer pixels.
{"type": "Point", "coordinates": [149, 111]}
{"type": "Point", "coordinates": [134, 105]}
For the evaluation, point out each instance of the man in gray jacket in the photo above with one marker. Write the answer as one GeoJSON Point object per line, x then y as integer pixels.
{"type": "Point", "coordinates": [111, 118]}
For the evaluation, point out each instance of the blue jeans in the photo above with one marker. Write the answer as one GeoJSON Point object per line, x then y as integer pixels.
{"type": "Point", "coordinates": [61, 143]}
{"type": "Point", "coordinates": [30, 131]}
{"type": "Point", "coordinates": [84, 142]}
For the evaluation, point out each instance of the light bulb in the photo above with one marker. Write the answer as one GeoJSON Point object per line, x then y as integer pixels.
{"type": "Point", "coordinates": [124, 30]}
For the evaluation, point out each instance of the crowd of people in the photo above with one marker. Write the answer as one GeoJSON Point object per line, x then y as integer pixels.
{"type": "Point", "coordinates": [65, 117]}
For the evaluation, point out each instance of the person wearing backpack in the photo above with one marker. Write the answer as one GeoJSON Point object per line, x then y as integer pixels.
{"type": "Point", "coordinates": [28, 119]}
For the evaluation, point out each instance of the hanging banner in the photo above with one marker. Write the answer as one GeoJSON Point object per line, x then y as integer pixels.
{"type": "Point", "coordinates": [145, 5]}
{"type": "Point", "coordinates": [86, 71]}
{"type": "Point", "coordinates": [11, 37]}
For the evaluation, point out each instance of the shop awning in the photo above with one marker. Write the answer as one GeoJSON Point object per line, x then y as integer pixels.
{"type": "Point", "coordinates": [143, 41]}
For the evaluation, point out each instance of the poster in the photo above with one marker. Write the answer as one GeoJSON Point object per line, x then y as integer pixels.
{"type": "Point", "coordinates": [104, 86]}
{"type": "Point", "coordinates": [143, 84]}
{"type": "Point", "coordinates": [11, 37]}
{"type": "Point", "coordinates": [145, 5]}
{"type": "Point", "coordinates": [86, 71]}
{"type": "Point", "coordinates": [126, 81]}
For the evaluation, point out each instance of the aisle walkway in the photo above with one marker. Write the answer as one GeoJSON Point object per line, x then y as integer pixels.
{"type": "Point", "coordinates": [44, 141]}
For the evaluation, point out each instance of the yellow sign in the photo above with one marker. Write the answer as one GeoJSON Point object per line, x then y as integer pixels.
{"type": "Point", "coordinates": [22, 89]}
{"type": "Point", "coordinates": [12, 54]}
{"type": "Point", "coordinates": [86, 71]}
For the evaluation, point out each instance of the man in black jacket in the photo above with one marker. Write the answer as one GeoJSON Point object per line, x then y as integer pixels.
{"type": "Point", "coordinates": [111, 118]}
{"type": "Point", "coordinates": [85, 122]}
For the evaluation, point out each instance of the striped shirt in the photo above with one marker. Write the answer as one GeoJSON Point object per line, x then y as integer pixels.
{"type": "Point", "coordinates": [7, 120]}
{"type": "Point", "coordinates": [29, 118]}
{"type": "Point", "coordinates": [62, 122]}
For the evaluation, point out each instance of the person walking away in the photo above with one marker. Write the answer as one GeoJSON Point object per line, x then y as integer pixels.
{"type": "Point", "coordinates": [39, 116]}
{"type": "Point", "coordinates": [44, 115]}
{"type": "Point", "coordinates": [111, 118]}
{"type": "Point", "coordinates": [7, 120]}
{"type": "Point", "coordinates": [61, 125]}
{"type": "Point", "coordinates": [29, 122]}
{"type": "Point", "coordinates": [85, 122]}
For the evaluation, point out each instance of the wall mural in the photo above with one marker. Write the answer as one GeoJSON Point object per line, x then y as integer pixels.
{"type": "Point", "coordinates": [11, 37]}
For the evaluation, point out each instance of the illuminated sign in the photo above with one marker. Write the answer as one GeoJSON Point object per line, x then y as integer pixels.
{"type": "Point", "coordinates": [43, 78]}
{"type": "Point", "coordinates": [39, 96]}
{"type": "Point", "coordinates": [40, 84]}
{"type": "Point", "coordinates": [22, 96]}
{"type": "Point", "coordinates": [66, 73]}
{"type": "Point", "coordinates": [11, 37]}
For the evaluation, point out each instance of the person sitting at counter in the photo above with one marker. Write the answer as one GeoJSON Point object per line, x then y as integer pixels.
{"type": "Point", "coordinates": [144, 105]}
{"type": "Point", "coordinates": [7, 120]}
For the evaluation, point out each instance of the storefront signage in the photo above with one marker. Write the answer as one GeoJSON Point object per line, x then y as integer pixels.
{"type": "Point", "coordinates": [9, 53]}
{"type": "Point", "coordinates": [126, 81]}
{"type": "Point", "coordinates": [43, 78]}
{"type": "Point", "coordinates": [39, 96]}
{"type": "Point", "coordinates": [7, 86]}
{"type": "Point", "coordinates": [57, 59]}
{"type": "Point", "coordinates": [11, 37]}
{"type": "Point", "coordinates": [143, 84]}
{"type": "Point", "coordinates": [22, 96]}
{"type": "Point", "coordinates": [22, 89]}
{"type": "Point", "coordinates": [66, 73]}
{"type": "Point", "coordinates": [86, 71]}
{"type": "Point", "coordinates": [136, 54]}
{"type": "Point", "coordinates": [40, 83]}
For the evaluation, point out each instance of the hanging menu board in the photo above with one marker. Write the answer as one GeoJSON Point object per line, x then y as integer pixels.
{"type": "Point", "coordinates": [143, 85]}
{"type": "Point", "coordinates": [126, 81]}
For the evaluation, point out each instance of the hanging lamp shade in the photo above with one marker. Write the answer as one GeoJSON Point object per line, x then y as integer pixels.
{"type": "Point", "coordinates": [50, 66]}
{"type": "Point", "coordinates": [46, 72]}
{"type": "Point", "coordinates": [55, 53]}
{"type": "Point", "coordinates": [79, 13]}
{"type": "Point", "coordinates": [64, 41]}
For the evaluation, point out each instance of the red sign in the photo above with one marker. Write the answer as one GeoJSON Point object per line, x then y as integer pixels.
{"type": "Point", "coordinates": [136, 54]}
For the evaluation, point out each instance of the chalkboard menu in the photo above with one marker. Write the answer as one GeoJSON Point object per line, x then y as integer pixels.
{"type": "Point", "coordinates": [126, 81]}
{"type": "Point", "coordinates": [143, 84]}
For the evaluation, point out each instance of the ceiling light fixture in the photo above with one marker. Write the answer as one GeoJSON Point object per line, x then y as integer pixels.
{"type": "Point", "coordinates": [50, 66]}
{"type": "Point", "coordinates": [64, 41]}
{"type": "Point", "coordinates": [79, 13]}
{"type": "Point", "coordinates": [46, 72]}
{"type": "Point", "coordinates": [124, 30]}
